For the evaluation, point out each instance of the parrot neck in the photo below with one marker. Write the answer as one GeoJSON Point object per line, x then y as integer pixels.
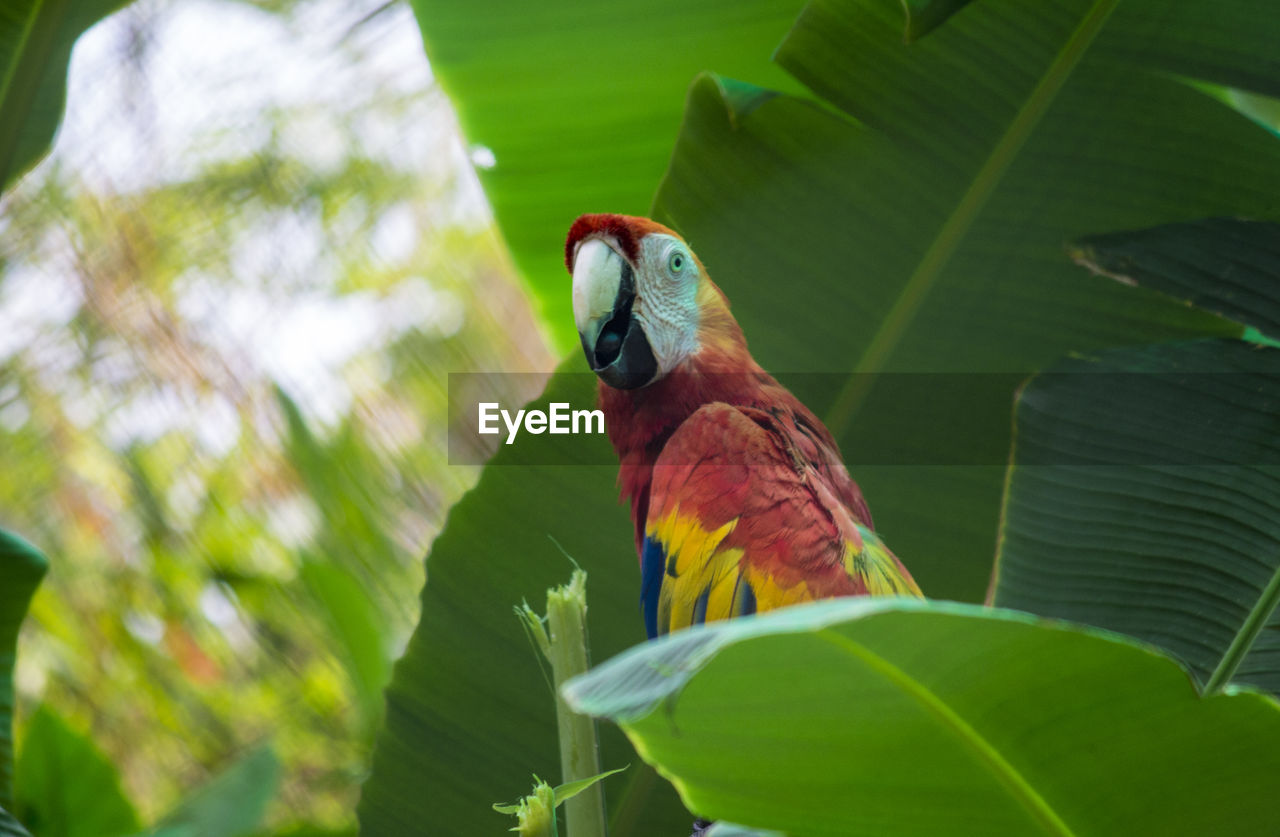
{"type": "Point", "coordinates": [640, 421]}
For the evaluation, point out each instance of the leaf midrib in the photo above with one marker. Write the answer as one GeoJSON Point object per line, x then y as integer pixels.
{"type": "Point", "coordinates": [979, 747]}
{"type": "Point", "coordinates": [1242, 642]}
{"type": "Point", "coordinates": [943, 246]}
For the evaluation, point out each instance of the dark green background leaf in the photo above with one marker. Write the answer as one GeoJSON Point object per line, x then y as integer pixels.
{"type": "Point", "coordinates": [36, 37]}
{"type": "Point", "coordinates": [928, 235]}
{"type": "Point", "coordinates": [1224, 265]}
{"type": "Point", "coordinates": [65, 787]}
{"type": "Point", "coordinates": [1143, 496]}
{"type": "Point", "coordinates": [21, 568]}
{"type": "Point", "coordinates": [925, 15]}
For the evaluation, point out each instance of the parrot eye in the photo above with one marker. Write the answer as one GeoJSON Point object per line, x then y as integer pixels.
{"type": "Point", "coordinates": [676, 263]}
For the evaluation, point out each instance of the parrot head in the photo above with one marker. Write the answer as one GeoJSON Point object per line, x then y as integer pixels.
{"type": "Point", "coordinates": [642, 301]}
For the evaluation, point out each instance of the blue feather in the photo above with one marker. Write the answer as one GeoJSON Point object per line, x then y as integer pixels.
{"type": "Point", "coordinates": [700, 607]}
{"type": "Point", "coordinates": [652, 561]}
{"type": "Point", "coordinates": [745, 597]}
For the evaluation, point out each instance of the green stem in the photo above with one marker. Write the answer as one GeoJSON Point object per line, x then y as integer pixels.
{"type": "Point", "coordinates": [564, 643]}
{"type": "Point", "coordinates": [1243, 641]}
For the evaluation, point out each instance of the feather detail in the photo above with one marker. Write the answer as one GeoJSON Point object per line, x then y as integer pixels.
{"type": "Point", "coordinates": [746, 521]}
{"type": "Point", "coordinates": [624, 230]}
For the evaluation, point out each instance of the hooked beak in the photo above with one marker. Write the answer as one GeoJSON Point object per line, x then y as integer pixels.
{"type": "Point", "coordinates": [614, 342]}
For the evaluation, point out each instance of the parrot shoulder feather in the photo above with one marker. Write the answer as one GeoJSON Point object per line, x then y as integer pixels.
{"type": "Point", "coordinates": [742, 518]}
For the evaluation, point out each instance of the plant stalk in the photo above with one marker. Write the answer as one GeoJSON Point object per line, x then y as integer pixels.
{"type": "Point", "coordinates": [564, 643]}
{"type": "Point", "coordinates": [1243, 641]}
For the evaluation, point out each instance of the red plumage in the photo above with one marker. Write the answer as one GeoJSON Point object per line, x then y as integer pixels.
{"type": "Point", "coordinates": [624, 229]}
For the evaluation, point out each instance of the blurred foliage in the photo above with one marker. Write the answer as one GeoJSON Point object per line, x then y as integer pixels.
{"type": "Point", "coordinates": [90, 806]}
{"type": "Point", "coordinates": [229, 805]}
{"type": "Point", "coordinates": [21, 569]}
{"type": "Point", "coordinates": [228, 301]}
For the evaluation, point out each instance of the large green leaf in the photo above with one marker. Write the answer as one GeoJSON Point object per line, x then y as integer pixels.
{"type": "Point", "coordinates": [65, 787]}
{"type": "Point", "coordinates": [1143, 497]}
{"type": "Point", "coordinates": [35, 44]}
{"type": "Point", "coordinates": [927, 234]}
{"type": "Point", "coordinates": [469, 714]}
{"type": "Point", "coordinates": [1157, 470]}
{"type": "Point", "coordinates": [903, 717]}
{"type": "Point", "coordinates": [579, 104]}
{"type": "Point", "coordinates": [21, 568]}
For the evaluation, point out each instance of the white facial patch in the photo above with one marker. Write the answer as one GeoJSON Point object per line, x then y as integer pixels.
{"type": "Point", "coordinates": [666, 300]}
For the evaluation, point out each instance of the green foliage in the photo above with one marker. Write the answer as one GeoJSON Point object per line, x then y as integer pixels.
{"type": "Point", "coordinates": [932, 214]}
{"type": "Point", "coordinates": [1224, 265]}
{"type": "Point", "coordinates": [579, 103]}
{"type": "Point", "coordinates": [727, 829]}
{"type": "Point", "coordinates": [232, 804]}
{"type": "Point", "coordinates": [1144, 482]}
{"type": "Point", "coordinates": [35, 44]}
{"type": "Point", "coordinates": [353, 542]}
{"type": "Point", "coordinates": [911, 221]}
{"type": "Point", "coordinates": [65, 786]}
{"type": "Point", "coordinates": [854, 717]}
{"type": "Point", "coordinates": [561, 637]}
{"type": "Point", "coordinates": [908, 219]}
{"type": "Point", "coordinates": [469, 712]}
{"type": "Point", "coordinates": [227, 569]}
{"type": "Point", "coordinates": [9, 827]}
{"type": "Point", "coordinates": [924, 15]}
{"type": "Point", "coordinates": [21, 568]}
{"type": "Point", "coordinates": [535, 813]}
{"type": "Point", "coordinates": [358, 628]}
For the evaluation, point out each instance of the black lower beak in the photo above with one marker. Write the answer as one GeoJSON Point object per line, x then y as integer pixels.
{"type": "Point", "coordinates": [622, 356]}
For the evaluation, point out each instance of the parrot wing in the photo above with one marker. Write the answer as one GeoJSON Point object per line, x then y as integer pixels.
{"type": "Point", "coordinates": [742, 519]}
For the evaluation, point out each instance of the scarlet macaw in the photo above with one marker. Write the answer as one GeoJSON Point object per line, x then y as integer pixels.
{"type": "Point", "coordinates": [740, 500]}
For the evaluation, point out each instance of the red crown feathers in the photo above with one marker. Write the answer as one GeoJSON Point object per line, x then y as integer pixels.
{"type": "Point", "coordinates": [626, 230]}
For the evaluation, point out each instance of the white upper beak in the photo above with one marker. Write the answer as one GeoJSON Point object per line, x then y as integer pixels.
{"type": "Point", "coordinates": [597, 275]}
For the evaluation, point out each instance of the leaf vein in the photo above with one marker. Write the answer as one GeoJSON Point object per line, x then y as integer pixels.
{"type": "Point", "coordinates": [983, 750]}
{"type": "Point", "coordinates": [945, 243]}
